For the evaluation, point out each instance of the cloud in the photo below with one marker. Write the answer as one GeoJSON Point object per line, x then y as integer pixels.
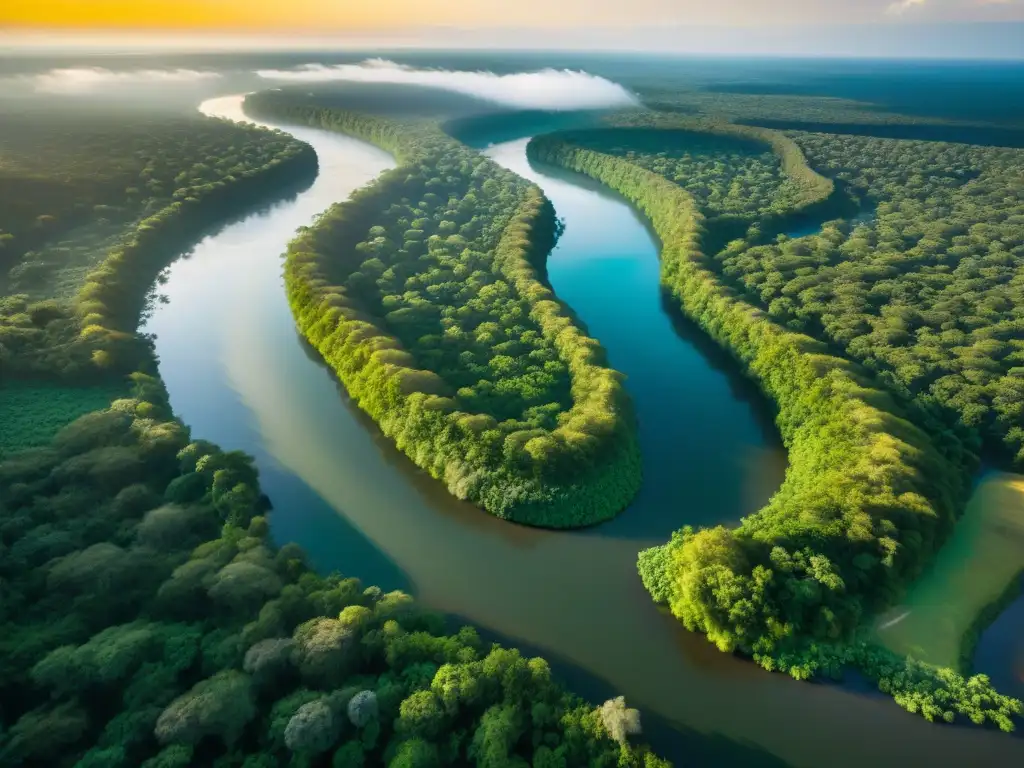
{"type": "Point", "coordinates": [545, 89]}
{"type": "Point", "coordinates": [902, 6]}
{"type": "Point", "coordinates": [91, 79]}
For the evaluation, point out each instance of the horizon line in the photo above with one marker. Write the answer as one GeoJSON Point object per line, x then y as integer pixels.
{"type": "Point", "coordinates": [379, 47]}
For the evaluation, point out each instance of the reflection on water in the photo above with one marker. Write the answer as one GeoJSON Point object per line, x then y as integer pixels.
{"type": "Point", "coordinates": [238, 375]}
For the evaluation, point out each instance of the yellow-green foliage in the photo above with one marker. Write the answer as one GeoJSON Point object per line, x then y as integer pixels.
{"type": "Point", "coordinates": [149, 620]}
{"type": "Point", "coordinates": [810, 187]}
{"type": "Point", "coordinates": [929, 292]}
{"type": "Point", "coordinates": [858, 470]}
{"type": "Point", "coordinates": [421, 293]}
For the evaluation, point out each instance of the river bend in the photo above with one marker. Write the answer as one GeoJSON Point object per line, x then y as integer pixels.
{"type": "Point", "coordinates": [238, 374]}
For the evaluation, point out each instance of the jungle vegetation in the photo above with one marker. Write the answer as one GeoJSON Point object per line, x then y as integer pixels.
{"type": "Point", "coordinates": [928, 294]}
{"type": "Point", "coordinates": [148, 621]}
{"type": "Point", "coordinates": [726, 176]}
{"type": "Point", "coordinates": [68, 176]}
{"type": "Point", "coordinates": [93, 207]}
{"type": "Point", "coordinates": [924, 292]}
{"type": "Point", "coordinates": [747, 182]}
{"type": "Point", "coordinates": [423, 293]}
{"type": "Point", "coordinates": [145, 617]}
{"type": "Point", "coordinates": [875, 484]}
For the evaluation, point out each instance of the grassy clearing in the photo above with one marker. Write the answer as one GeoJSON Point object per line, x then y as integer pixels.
{"type": "Point", "coordinates": [59, 268]}
{"type": "Point", "coordinates": [30, 414]}
{"type": "Point", "coordinates": [971, 573]}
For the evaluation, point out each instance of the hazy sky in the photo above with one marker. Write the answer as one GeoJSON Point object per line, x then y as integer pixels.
{"type": "Point", "coordinates": [831, 28]}
{"type": "Point", "coordinates": [380, 15]}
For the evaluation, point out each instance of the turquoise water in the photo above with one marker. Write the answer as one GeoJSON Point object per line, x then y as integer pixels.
{"type": "Point", "coordinates": [698, 424]}
{"type": "Point", "coordinates": [239, 375]}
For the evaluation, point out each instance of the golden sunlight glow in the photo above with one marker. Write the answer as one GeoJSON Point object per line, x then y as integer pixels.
{"type": "Point", "coordinates": [223, 14]}
{"type": "Point", "coordinates": [354, 15]}
{"type": "Point", "coordinates": [334, 16]}
{"type": "Point", "coordinates": [313, 15]}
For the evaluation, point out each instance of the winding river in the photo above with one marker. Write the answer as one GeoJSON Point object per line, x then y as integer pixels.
{"type": "Point", "coordinates": [239, 375]}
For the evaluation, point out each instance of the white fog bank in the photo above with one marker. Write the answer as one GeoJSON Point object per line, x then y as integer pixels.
{"type": "Point", "coordinates": [89, 79]}
{"type": "Point", "coordinates": [549, 89]}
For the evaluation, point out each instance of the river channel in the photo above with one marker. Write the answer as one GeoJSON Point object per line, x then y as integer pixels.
{"type": "Point", "coordinates": [239, 375]}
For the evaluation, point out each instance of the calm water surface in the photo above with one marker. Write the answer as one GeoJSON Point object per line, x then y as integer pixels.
{"type": "Point", "coordinates": [239, 375]}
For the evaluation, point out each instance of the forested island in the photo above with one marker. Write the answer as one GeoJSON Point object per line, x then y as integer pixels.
{"type": "Point", "coordinates": [147, 619]}
{"type": "Point", "coordinates": [423, 292]}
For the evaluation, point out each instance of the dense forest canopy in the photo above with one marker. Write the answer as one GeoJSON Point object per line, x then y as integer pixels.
{"type": "Point", "coordinates": [147, 621]}
{"type": "Point", "coordinates": [917, 276]}
{"type": "Point", "coordinates": [422, 291]}
{"type": "Point", "coordinates": [727, 177]}
{"type": "Point", "coordinates": [79, 192]}
{"type": "Point", "coordinates": [928, 293]}
{"type": "Point", "coordinates": [68, 179]}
